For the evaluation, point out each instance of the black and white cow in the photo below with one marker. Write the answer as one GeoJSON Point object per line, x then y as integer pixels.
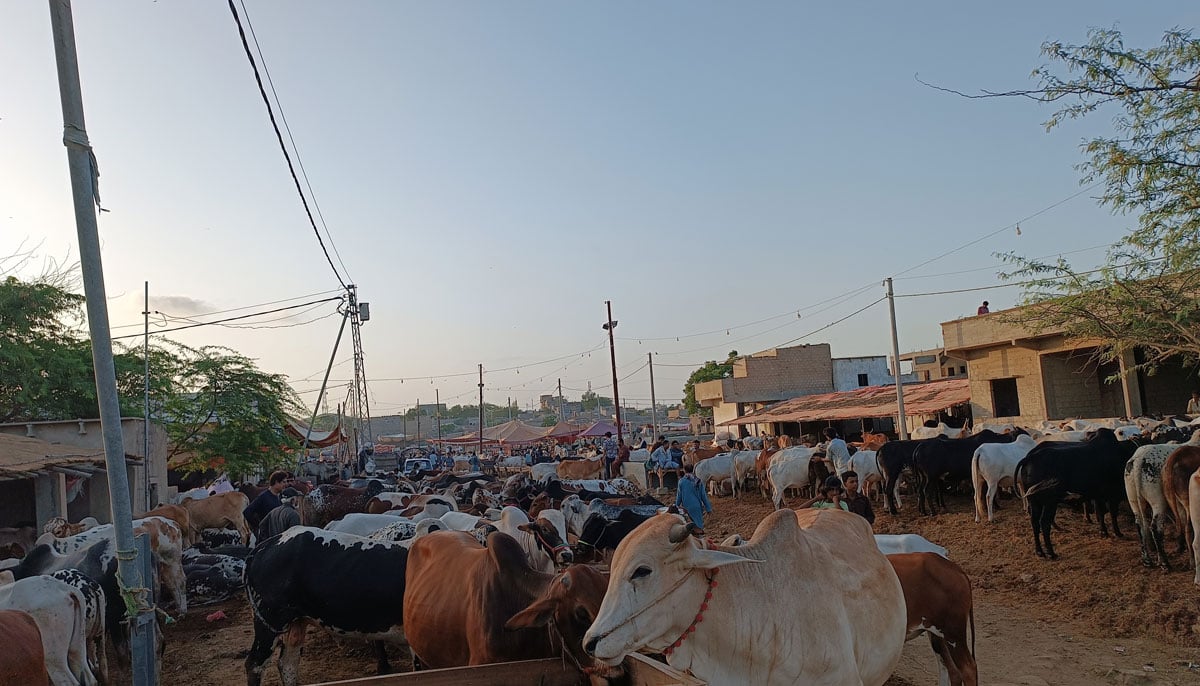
{"type": "Point", "coordinates": [95, 608]}
{"type": "Point", "coordinates": [350, 585]}
{"type": "Point", "coordinates": [601, 534]}
{"type": "Point", "coordinates": [212, 578]}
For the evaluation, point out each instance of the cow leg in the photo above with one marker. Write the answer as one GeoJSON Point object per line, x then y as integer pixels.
{"type": "Point", "coordinates": [1100, 507]}
{"type": "Point", "coordinates": [289, 655]}
{"type": "Point", "coordinates": [1035, 512]}
{"type": "Point", "coordinates": [948, 674]}
{"type": "Point", "coordinates": [1087, 512]}
{"type": "Point", "coordinates": [1156, 533]}
{"type": "Point", "coordinates": [1048, 512]}
{"type": "Point", "coordinates": [382, 666]}
{"type": "Point", "coordinates": [260, 651]}
{"type": "Point", "coordinates": [1114, 508]}
{"type": "Point", "coordinates": [1145, 537]}
{"type": "Point", "coordinates": [889, 492]}
{"type": "Point", "coordinates": [991, 501]}
{"type": "Point", "coordinates": [964, 662]}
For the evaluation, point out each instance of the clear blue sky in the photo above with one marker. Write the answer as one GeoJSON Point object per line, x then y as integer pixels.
{"type": "Point", "coordinates": [492, 172]}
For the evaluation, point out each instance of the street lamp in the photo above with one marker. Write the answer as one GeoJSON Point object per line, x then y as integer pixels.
{"type": "Point", "coordinates": [612, 354]}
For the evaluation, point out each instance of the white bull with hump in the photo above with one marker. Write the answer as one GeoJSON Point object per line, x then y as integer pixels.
{"type": "Point", "coordinates": [808, 600]}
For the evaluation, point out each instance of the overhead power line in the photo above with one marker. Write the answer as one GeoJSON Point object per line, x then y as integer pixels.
{"type": "Point", "coordinates": [230, 319]}
{"type": "Point", "coordinates": [283, 147]}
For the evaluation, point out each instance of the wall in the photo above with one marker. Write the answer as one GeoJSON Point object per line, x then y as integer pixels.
{"type": "Point", "coordinates": [847, 369]}
{"type": "Point", "coordinates": [1001, 363]}
{"type": "Point", "coordinates": [1073, 387]}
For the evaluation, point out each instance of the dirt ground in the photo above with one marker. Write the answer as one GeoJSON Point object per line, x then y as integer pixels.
{"type": "Point", "coordinates": [1094, 617]}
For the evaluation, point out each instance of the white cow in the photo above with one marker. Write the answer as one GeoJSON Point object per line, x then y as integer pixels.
{"type": "Point", "coordinates": [785, 474]}
{"type": "Point", "coordinates": [1144, 491]}
{"type": "Point", "coordinates": [994, 465]}
{"type": "Point", "coordinates": [890, 544]}
{"type": "Point", "coordinates": [193, 494]}
{"type": "Point", "coordinates": [363, 524]}
{"type": "Point", "coordinates": [95, 606]}
{"type": "Point", "coordinates": [743, 466]}
{"type": "Point", "coordinates": [940, 430]}
{"type": "Point", "coordinates": [1124, 433]}
{"type": "Point", "coordinates": [865, 464]}
{"type": "Point", "coordinates": [717, 468]}
{"type": "Point", "coordinates": [798, 452]}
{"type": "Point", "coordinates": [1064, 436]}
{"type": "Point", "coordinates": [1194, 516]}
{"type": "Point", "coordinates": [59, 610]}
{"type": "Point", "coordinates": [1004, 428]}
{"type": "Point", "coordinates": [807, 600]}
{"type": "Point", "coordinates": [542, 472]}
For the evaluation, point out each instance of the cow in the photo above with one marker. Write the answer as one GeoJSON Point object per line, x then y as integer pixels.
{"type": "Point", "coordinates": [579, 469]}
{"type": "Point", "coordinates": [993, 466]}
{"type": "Point", "coordinates": [893, 458]}
{"type": "Point", "coordinates": [939, 459]}
{"type": "Point", "coordinates": [23, 537]}
{"type": "Point", "coordinates": [23, 660]}
{"type": "Point", "coordinates": [212, 578]}
{"type": "Point", "coordinates": [95, 607]}
{"type": "Point", "coordinates": [937, 595]}
{"type": "Point", "coordinates": [494, 607]}
{"type": "Point", "coordinates": [1180, 465]}
{"type": "Point", "coordinates": [211, 538]}
{"type": "Point", "coordinates": [543, 540]}
{"type": "Point", "coordinates": [785, 474]}
{"type": "Point", "coordinates": [717, 468]}
{"type": "Point", "coordinates": [940, 429]}
{"type": "Point", "coordinates": [866, 466]}
{"type": "Point", "coordinates": [360, 524]}
{"type": "Point", "coordinates": [1144, 490]}
{"type": "Point", "coordinates": [891, 544]}
{"type": "Point", "coordinates": [1194, 519]}
{"type": "Point", "coordinates": [1092, 469]}
{"type": "Point", "coordinates": [601, 534]}
{"type": "Point", "coordinates": [61, 528]}
{"type": "Point", "coordinates": [278, 521]}
{"type": "Point", "coordinates": [166, 550]}
{"type": "Point", "coordinates": [543, 471]}
{"type": "Point", "coordinates": [743, 466]}
{"type": "Point", "coordinates": [808, 584]}
{"type": "Point", "coordinates": [59, 610]}
{"type": "Point", "coordinates": [328, 502]}
{"type": "Point", "coordinates": [176, 513]}
{"type": "Point", "coordinates": [218, 512]}
{"type": "Point", "coordinates": [288, 586]}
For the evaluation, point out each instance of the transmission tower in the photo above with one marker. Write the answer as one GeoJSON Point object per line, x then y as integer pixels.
{"type": "Point", "coordinates": [359, 313]}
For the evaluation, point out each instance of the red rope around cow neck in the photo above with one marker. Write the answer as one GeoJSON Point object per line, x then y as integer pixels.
{"type": "Point", "coordinates": [712, 583]}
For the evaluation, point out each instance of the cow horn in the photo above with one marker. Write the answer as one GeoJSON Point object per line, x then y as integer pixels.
{"type": "Point", "coordinates": [679, 533]}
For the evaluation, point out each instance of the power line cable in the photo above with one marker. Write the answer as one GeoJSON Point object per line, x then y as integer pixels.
{"type": "Point", "coordinates": [295, 149]}
{"type": "Point", "coordinates": [228, 319]}
{"type": "Point", "coordinates": [238, 309]}
{"type": "Point", "coordinates": [279, 136]}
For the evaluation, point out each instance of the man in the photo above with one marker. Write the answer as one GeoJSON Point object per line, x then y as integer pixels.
{"type": "Point", "coordinates": [1193, 406]}
{"type": "Point", "coordinates": [609, 448]}
{"type": "Point", "coordinates": [830, 498]}
{"type": "Point", "coordinates": [858, 503]}
{"type": "Point", "coordinates": [837, 453]}
{"type": "Point", "coordinates": [623, 454]}
{"type": "Point", "coordinates": [693, 498]}
{"type": "Point", "coordinates": [267, 500]}
{"type": "Point", "coordinates": [983, 309]}
{"type": "Point", "coordinates": [676, 453]}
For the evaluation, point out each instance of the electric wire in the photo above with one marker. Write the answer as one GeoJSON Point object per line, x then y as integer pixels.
{"type": "Point", "coordinates": [227, 319]}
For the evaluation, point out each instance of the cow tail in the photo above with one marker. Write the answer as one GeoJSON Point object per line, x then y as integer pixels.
{"type": "Point", "coordinates": [971, 617]}
{"type": "Point", "coordinates": [1017, 483]}
{"type": "Point", "coordinates": [979, 496]}
{"type": "Point", "coordinates": [77, 660]}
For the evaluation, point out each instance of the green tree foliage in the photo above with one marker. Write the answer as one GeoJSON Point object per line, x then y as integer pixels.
{"type": "Point", "coordinates": [590, 400]}
{"type": "Point", "coordinates": [217, 407]}
{"type": "Point", "coordinates": [711, 371]}
{"type": "Point", "coordinates": [1147, 295]}
{"type": "Point", "coordinates": [549, 420]}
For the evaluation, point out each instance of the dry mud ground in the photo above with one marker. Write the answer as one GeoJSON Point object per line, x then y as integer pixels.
{"type": "Point", "coordinates": [1094, 617]}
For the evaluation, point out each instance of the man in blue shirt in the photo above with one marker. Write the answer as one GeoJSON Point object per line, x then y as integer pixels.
{"type": "Point", "coordinates": [693, 498]}
{"type": "Point", "coordinates": [266, 501]}
{"type": "Point", "coordinates": [610, 453]}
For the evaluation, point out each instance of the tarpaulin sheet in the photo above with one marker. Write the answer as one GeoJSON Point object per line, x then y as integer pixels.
{"type": "Point", "coordinates": [872, 401]}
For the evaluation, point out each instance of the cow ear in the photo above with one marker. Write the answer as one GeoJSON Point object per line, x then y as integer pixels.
{"type": "Point", "coordinates": [537, 614]}
{"type": "Point", "coordinates": [711, 559]}
{"type": "Point", "coordinates": [526, 527]}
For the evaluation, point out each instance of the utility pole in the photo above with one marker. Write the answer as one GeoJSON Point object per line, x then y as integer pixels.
{"type": "Point", "coordinates": [359, 313]}
{"type": "Point", "coordinates": [509, 402]}
{"type": "Point", "coordinates": [321, 394]}
{"type": "Point", "coordinates": [437, 411]}
{"type": "Point", "coordinates": [418, 420]}
{"type": "Point", "coordinates": [562, 417]}
{"type": "Point", "coordinates": [653, 405]}
{"type": "Point", "coordinates": [86, 196]}
{"type": "Point", "coordinates": [612, 354]}
{"type": "Point", "coordinates": [480, 411]}
{"type": "Point", "coordinates": [902, 429]}
{"type": "Point", "coordinates": [146, 398]}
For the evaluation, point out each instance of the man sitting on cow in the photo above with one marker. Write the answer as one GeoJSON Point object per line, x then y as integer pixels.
{"type": "Point", "coordinates": [267, 500]}
{"type": "Point", "coordinates": [830, 498]}
{"type": "Point", "coordinates": [858, 503]}
{"type": "Point", "coordinates": [692, 496]}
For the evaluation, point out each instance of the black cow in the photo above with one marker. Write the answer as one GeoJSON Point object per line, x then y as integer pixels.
{"type": "Point", "coordinates": [893, 457]}
{"type": "Point", "coordinates": [557, 491]}
{"type": "Point", "coordinates": [1093, 469]}
{"type": "Point", "coordinates": [344, 583]}
{"type": "Point", "coordinates": [938, 459]}
{"type": "Point", "coordinates": [600, 533]}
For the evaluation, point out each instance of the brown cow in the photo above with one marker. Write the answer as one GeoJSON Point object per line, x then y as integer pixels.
{"type": "Point", "coordinates": [579, 469]}
{"type": "Point", "coordinates": [872, 441]}
{"type": "Point", "coordinates": [23, 660]}
{"type": "Point", "coordinates": [695, 455]}
{"type": "Point", "coordinates": [223, 511]}
{"type": "Point", "coordinates": [328, 502]}
{"type": "Point", "coordinates": [763, 461]}
{"type": "Point", "coordinates": [937, 594]}
{"type": "Point", "coordinates": [23, 536]}
{"type": "Point", "coordinates": [178, 514]}
{"type": "Point", "coordinates": [1179, 467]}
{"type": "Point", "coordinates": [495, 608]}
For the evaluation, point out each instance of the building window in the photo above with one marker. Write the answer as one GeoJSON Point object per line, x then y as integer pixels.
{"type": "Point", "coordinates": [862, 380]}
{"type": "Point", "coordinates": [950, 372]}
{"type": "Point", "coordinates": [963, 370]}
{"type": "Point", "coordinates": [1005, 402]}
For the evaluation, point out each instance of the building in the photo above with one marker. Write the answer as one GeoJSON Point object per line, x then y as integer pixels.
{"type": "Point", "coordinates": [56, 469]}
{"type": "Point", "coordinates": [931, 365]}
{"type": "Point", "coordinates": [1027, 377]}
{"type": "Point", "coordinates": [548, 403]}
{"type": "Point", "coordinates": [852, 373]}
{"type": "Point", "coordinates": [767, 377]}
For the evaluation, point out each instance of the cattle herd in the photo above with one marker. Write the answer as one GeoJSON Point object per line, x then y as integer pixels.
{"type": "Point", "coordinates": [472, 568]}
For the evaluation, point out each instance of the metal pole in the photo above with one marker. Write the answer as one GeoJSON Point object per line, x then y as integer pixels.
{"type": "Point", "coordinates": [612, 353]}
{"type": "Point", "coordinates": [437, 410]}
{"type": "Point", "coordinates": [321, 394]}
{"type": "Point", "coordinates": [84, 174]}
{"type": "Point", "coordinates": [418, 420]}
{"type": "Point", "coordinates": [903, 426]}
{"type": "Point", "coordinates": [509, 401]}
{"type": "Point", "coordinates": [146, 398]}
{"type": "Point", "coordinates": [653, 407]}
{"type": "Point", "coordinates": [562, 417]}
{"type": "Point", "coordinates": [481, 411]}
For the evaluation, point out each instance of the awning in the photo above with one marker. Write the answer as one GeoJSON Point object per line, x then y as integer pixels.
{"type": "Point", "coordinates": [26, 458]}
{"type": "Point", "coordinates": [872, 401]}
{"type": "Point", "coordinates": [317, 439]}
{"type": "Point", "coordinates": [598, 429]}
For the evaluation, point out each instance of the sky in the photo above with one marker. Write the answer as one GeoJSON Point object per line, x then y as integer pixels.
{"type": "Point", "coordinates": [734, 175]}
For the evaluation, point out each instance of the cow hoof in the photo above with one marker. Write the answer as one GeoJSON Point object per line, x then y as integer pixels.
{"type": "Point", "coordinates": [1053, 556]}
{"type": "Point", "coordinates": [1040, 553]}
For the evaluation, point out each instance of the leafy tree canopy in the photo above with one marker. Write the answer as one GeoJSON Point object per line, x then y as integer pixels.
{"type": "Point", "coordinates": [590, 400]}
{"type": "Point", "coordinates": [1147, 295]}
{"type": "Point", "coordinates": [711, 371]}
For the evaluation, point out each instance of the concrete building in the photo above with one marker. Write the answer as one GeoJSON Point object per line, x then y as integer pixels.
{"type": "Point", "coordinates": [767, 377]}
{"type": "Point", "coordinates": [934, 364]}
{"type": "Point", "coordinates": [1028, 377]}
{"type": "Point", "coordinates": [67, 478]}
{"type": "Point", "coordinates": [852, 373]}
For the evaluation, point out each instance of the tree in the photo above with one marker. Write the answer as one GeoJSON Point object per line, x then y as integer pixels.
{"type": "Point", "coordinates": [589, 400]}
{"type": "Point", "coordinates": [711, 371]}
{"type": "Point", "coordinates": [1146, 295]}
{"type": "Point", "coordinates": [549, 420]}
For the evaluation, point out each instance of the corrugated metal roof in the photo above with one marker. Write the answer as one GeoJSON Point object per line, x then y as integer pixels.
{"type": "Point", "coordinates": [871, 401]}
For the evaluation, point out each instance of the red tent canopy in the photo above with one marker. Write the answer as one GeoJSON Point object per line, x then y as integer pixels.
{"type": "Point", "coordinates": [598, 429]}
